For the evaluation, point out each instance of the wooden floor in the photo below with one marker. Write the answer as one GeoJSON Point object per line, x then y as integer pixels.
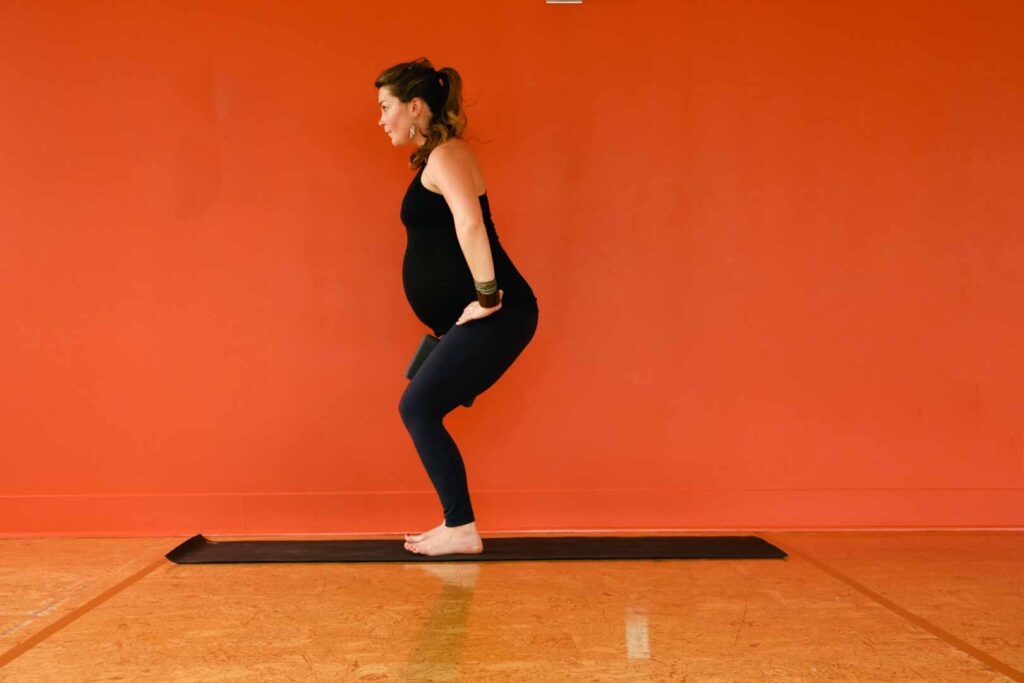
{"type": "Point", "coordinates": [850, 606]}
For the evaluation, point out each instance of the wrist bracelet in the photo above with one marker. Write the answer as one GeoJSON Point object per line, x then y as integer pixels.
{"type": "Point", "coordinates": [488, 300]}
{"type": "Point", "coordinates": [486, 287]}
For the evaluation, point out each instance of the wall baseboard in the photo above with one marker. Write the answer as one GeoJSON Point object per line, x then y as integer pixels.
{"type": "Point", "coordinates": [396, 512]}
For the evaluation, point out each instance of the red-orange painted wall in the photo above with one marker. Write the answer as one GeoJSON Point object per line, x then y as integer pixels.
{"type": "Point", "coordinates": [777, 249]}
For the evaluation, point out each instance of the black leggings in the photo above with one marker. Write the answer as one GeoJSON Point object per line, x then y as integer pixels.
{"type": "Point", "coordinates": [465, 363]}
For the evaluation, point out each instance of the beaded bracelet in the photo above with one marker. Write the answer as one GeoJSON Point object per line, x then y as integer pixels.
{"type": "Point", "coordinates": [486, 287]}
{"type": "Point", "coordinates": [487, 293]}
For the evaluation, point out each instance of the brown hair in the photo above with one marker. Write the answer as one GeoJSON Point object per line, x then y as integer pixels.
{"type": "Point", "coordinates": [441, 90]}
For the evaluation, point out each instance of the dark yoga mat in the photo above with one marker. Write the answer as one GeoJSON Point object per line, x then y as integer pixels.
{"type": "Point", "coordinates": [200, 550]}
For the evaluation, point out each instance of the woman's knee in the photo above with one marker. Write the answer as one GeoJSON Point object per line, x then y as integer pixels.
{"type": "Point", "coordinates": [415, 407]}
{"type": "Point", "coordinates": [408, 406]}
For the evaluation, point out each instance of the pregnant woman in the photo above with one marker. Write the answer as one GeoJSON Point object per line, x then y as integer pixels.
{"type": "Point", "coordinates": [459, 282]}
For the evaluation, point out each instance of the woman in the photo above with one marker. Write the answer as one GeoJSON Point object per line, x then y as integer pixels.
{"type": "Point", "coordinates": [451, 272]}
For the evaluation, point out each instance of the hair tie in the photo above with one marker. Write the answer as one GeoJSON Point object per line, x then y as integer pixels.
{"type": "Point", "coordinates": [443, 94]}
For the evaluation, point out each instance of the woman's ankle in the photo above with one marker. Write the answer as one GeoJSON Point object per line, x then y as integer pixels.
{"type": "Point", "coordinates": [466, 525]}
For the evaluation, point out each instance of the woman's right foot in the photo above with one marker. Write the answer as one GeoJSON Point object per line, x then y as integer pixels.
{"type": "Point", "coordinates": [416, 538]}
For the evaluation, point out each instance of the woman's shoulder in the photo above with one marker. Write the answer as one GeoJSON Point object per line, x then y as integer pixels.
{"type": "Point", "coordinates": [452, 149]}
{"type": "Point", "coordinates": [456, 146]}
{"type": "Point", "coordinates": [462, 152]}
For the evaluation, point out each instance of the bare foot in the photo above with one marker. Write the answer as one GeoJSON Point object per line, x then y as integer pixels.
{"type": "Point", "coordinates": [415, 538]}
{"type": "Point", "coordinates": [460, 540]}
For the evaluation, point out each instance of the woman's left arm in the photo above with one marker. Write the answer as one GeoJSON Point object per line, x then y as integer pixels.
{"type": "Point", "coordinates": [477, 249]}
{"type": "Point", "coordinates": [451, 171]}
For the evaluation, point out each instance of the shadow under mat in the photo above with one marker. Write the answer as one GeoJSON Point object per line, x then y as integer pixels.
{"type": "Point", "coordinates": [201, 550]}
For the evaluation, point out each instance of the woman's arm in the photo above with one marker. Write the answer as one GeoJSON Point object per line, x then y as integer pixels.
{"type": "Point", "coordinates": [451, 169]}
{"type": "Point", "coordinates": [477, 250]}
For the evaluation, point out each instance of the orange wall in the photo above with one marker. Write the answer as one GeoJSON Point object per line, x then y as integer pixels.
{"type": "Point", "coordinates": [777, 249]}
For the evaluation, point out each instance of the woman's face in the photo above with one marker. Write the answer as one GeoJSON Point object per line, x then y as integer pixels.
{"type": "Point", "coordinates": [397, 117]}
{"type": "Point", "coordinates": [393, 116]}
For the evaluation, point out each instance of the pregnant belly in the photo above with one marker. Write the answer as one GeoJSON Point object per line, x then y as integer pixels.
{"type": "Point", "coordinates": [433, 284]}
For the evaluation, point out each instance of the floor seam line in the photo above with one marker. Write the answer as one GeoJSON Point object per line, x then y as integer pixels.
{"type": "Point", "coordinates": [982, 656]}
{"type": "Point", "coordinates": [37, 638]}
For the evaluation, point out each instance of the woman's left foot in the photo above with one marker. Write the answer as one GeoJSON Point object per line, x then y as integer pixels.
{"type": "Point", "coordinates": [459, 540]}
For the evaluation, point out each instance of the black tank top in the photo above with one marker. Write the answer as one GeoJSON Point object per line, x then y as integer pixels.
{"type": "Point", "coordinates": [437, 280]}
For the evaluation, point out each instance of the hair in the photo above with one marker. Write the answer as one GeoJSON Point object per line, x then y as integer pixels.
{"type": "Point", "coordinates": [440, 89]}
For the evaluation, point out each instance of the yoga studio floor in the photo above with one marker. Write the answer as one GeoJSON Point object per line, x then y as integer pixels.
{"type": "Point", "coordinates": [852, 606]}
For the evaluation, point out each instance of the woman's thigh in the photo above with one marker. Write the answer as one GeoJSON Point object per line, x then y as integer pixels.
{"type": "Point", "coordinates": [470, 358]}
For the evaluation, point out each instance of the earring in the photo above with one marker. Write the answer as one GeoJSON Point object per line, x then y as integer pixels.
{"type": "Point", "coordinates": [412, 131]}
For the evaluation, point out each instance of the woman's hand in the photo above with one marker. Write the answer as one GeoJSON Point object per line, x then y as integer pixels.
{"type": "Point", "coordinates": [474, 311]}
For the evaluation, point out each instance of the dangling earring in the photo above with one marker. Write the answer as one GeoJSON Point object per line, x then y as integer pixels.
{"type": "Point", "coordinates": [412, 132]}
